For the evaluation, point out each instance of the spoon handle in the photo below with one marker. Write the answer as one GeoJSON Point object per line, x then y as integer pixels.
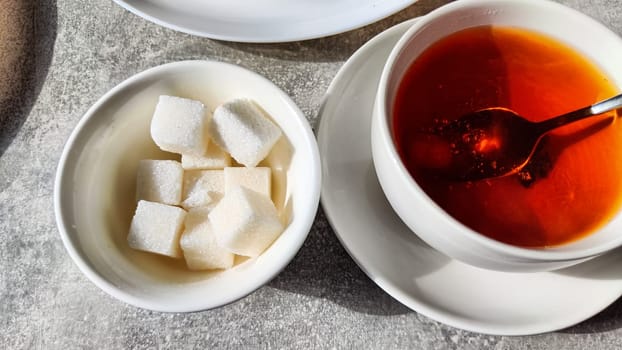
{"type": "Point", "coordinates": [607, 105]}
{"type": "Point", "coordinates": [595, 109]}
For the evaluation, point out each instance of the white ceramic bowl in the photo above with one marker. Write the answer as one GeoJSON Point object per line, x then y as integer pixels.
{"type": "Point", "coordinates": [95, 188]}
{"type": "Point", "coordinates": [415, 208]}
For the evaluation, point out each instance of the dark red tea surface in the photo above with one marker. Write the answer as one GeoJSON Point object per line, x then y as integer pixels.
{"type": "Point", "coordinates": [575, 185]}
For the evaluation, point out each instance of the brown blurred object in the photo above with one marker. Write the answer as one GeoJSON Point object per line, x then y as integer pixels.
{"type": "Point", "coordinates": [18, 69]}
{"type": "Point", "coordinates": [16, 40]}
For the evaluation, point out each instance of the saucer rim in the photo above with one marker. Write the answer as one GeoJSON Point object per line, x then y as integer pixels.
{"type": "Point", "coordinates": [171, 16]}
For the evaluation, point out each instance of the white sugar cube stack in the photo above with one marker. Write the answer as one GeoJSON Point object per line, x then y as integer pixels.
{"type": "Point", "coordinates": [241, 128]}
{"type": "Point", "coordinates": [226, 210]}
{"type": "Point", "coordinates": [198, 242]}
{"type": "Point", "coordinates": [159, 181]}
{"type": "Point", "coordinates": [156, 228]}
{"type": "Point", "coordinates": [246, 221]}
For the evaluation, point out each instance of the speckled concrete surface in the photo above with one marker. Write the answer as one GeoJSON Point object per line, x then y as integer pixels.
{"type": "Point", "coordinates": [71, 53]}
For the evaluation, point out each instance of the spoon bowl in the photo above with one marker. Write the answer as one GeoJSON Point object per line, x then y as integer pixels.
{"type": "Point", "coordinates": [496, 141]}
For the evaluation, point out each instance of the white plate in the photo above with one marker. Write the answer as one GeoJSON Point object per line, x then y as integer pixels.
{"type": "Point", "coordinates": [421, 278]}
{"type": "Point", "coordinates": [263, 20]}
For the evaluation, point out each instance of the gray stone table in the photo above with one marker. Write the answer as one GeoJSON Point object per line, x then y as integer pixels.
{"type": "Point", "coordinates": [58, 58]}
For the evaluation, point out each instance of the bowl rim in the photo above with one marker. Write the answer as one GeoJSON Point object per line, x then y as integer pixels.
{"type": "Point", "coordinates": [302, 223]}
{"type": "Point", "coordinates": [551, 254]}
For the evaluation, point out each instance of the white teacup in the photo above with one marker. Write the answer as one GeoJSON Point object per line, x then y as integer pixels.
{"type": "Point", "coordinates": [418, 211]}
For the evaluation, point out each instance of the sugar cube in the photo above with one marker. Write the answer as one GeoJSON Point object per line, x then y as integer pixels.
{"type": "Point", "coordinates": [240, 128]}
{"type": "Point", "coordinates": [156, 228]}
{"type": "Point", "coordinates": [246, 222]}
{"type": "Point", "coordinates": [256, 179]}
{"type": "Point", "coordinates": [214, 158]}
{"type": "Point", "coordinates": [198, 242]}
{"type": "Point", "coordinates": [202, 187]}
{"type": "Point", "coordinates": [179, 125]}
{"type": "Point", "coordinates": [159, 181]}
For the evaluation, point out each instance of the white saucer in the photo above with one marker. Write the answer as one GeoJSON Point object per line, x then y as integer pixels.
{"type": "Point", "coordinates": [263, 20]}
{"type": "Point", "coordinates": [421, 278]}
